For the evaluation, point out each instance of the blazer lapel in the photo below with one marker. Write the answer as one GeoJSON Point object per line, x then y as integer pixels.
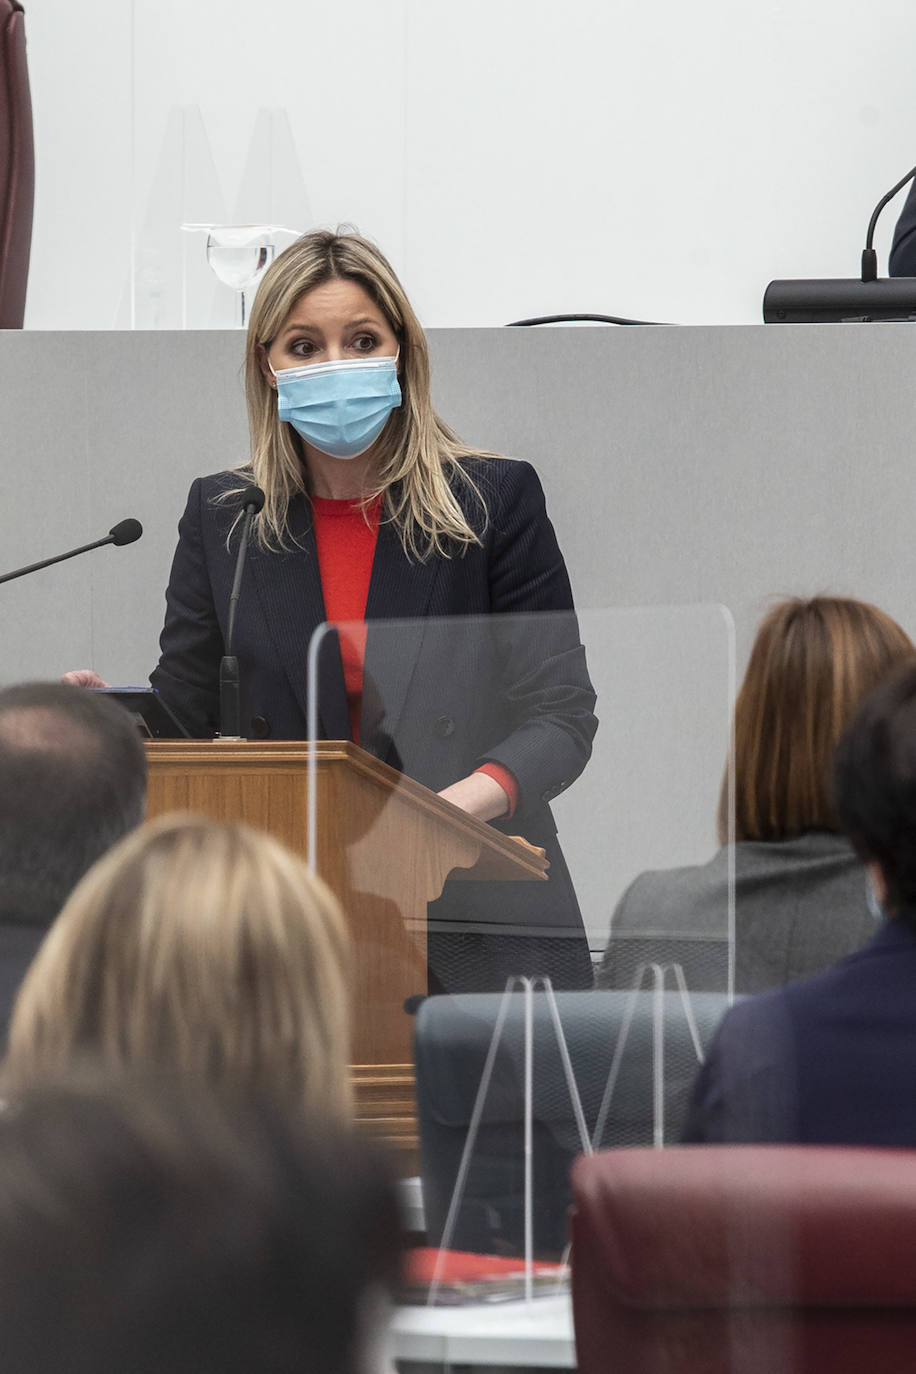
{"type": "Point", "coordinates": [399, 590]}
{"type": "Point", "coordinates": [288, 585]}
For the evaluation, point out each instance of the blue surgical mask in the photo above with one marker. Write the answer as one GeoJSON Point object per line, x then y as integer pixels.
{"type": "Point", "coordinates": [340, 408]}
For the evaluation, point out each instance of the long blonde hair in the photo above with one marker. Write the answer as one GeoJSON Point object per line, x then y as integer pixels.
{"type": "Point", "coordinates": [811, 664]}
{"type": "Point", "coordinates": [199, 950]}
{"type": "Point", "coordinates": [420, 458]}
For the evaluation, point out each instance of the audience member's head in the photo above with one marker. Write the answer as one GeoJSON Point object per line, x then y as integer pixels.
{"type": "Point", "coordinates": [194, 949]}
{"type": "Point", "coordinates": [72, 782]}
{"type": "Point", "coordinates": [174, 1233]}
{"type": "Point", "coordinates": [811, 664]}
{"type": "Point", "coordinates": [875, 787]}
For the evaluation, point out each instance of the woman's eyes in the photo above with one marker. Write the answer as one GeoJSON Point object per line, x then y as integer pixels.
{"type": "Point", "coordinates": [308, 348]}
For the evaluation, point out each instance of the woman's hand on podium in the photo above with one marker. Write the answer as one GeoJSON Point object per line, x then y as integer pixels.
{"type": "Point", "coordinates": [84, 677]}
{"type": "Point", "coordinates": [479, 795]}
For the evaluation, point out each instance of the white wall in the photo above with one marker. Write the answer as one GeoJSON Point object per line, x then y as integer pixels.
{"type": "Point", "coordinates": [659, 160]}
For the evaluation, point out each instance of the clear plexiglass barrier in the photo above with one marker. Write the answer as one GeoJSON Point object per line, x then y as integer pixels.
{"type": "Point", "coordinates": [218, 185]}
{"type": "Point", "coordinates": [478, 942]}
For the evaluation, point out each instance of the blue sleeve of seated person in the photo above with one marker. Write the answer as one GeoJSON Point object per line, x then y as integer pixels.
{"type": "Point", "coordinates": [745, 1092]}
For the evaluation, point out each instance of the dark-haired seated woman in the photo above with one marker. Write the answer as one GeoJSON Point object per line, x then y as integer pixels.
{"type": "Point", "coordinates": [831, 1059]}
{"type": "Point", "coordinates": [801, 899]}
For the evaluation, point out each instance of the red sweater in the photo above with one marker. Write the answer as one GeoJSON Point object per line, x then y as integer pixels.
{"type": "Point", "coordinates": [346, 540]}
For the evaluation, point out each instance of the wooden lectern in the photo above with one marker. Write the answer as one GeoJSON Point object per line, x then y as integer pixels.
{"type": "Point", "coordinates": [385, 845]}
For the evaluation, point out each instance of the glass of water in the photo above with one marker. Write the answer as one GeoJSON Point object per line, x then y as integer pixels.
{"type": "Point", "coordinates": [239, 254]}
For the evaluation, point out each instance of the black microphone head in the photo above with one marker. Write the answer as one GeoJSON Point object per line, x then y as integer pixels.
{"type": "Point", "coordinates": [125, 532]}
{"type": "Point", "coordinates": [252, 498]}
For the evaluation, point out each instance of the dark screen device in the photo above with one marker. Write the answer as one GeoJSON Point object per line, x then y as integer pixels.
{"type": "Point", "coordinates": [155, 718]}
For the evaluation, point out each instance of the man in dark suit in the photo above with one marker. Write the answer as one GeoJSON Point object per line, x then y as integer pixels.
{"type": "Point", "coordinates": [832, 1059]}
{"type": "Point", "coordinates": [72, 782]}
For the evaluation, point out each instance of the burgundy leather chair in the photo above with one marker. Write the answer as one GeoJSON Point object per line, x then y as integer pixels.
{"type": "Point", "coordinates": [17, 166]}
{"type": "Point", "coordinates": [745, 1260]}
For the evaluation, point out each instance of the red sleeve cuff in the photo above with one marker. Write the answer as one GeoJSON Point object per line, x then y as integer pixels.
{"type": "Point", "coordinates": [506, 781]}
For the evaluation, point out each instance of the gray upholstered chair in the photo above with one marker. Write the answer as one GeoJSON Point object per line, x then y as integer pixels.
{"type": "Point", "coordinates": [614, 1036]}
{"type": "Point", "coordinates": [17, 166]}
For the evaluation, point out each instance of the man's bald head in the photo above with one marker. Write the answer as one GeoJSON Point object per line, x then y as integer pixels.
{"type": "Point", "coordinates": [46, 729]}
{"type": "Point", "coordinates": [72, 782]}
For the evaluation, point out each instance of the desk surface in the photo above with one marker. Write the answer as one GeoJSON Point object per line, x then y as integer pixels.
{"type": "Point", "coordinates": [539, 1333]}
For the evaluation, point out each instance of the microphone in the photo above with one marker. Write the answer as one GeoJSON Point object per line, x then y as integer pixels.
{"type": "Point", "coordinates": [829, 300]}
{"type": "Point", "coordinates": [869, 256]}
{"type": "Point", "coordinates": [252, 501]}
{"type": "Point", "coordinates": [125, 532]}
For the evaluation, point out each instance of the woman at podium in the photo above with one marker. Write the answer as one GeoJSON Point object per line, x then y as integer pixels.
{"type": "Point", "coordinates": [457, 654]}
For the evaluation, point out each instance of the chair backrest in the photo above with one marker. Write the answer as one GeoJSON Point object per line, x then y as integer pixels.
{"type": "Point", "coordinates": [605, 1032]}
{"type": "Point", "coordinates": [702, 959]}
{"type": "Point", "coordinates": [745, 1259]}
{"type": "Point", "coordinates": [17, 166]}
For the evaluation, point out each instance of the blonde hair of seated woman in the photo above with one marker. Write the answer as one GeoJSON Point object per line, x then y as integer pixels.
{"type": "Point", "coordinates": [194, 949]}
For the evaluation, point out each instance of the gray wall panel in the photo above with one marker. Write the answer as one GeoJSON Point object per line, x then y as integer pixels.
{"type": "Point", "coordinates": [170, 407]}
{"type": "Point", "coordinates": [96, 427]}
{"type": "Point", "coordinates": [681, 465]}
{"type": "Point", "coordinates": [706, 464]}
{"type": "Point", "coordinates": [46, 500]}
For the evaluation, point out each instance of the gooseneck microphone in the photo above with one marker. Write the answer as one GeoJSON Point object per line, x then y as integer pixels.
{"type": "Point", "coordinates": [251, 500]}
{"type": "Point", "coordinates": [124, 532]}
{"type": "Point", "coordinates": [829, 300]}
{"type": "Point", "coordinates": [869, 256]}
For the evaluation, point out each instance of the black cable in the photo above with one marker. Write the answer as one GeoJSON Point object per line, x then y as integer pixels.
{"type": "Point", "coordinates": [576, 319]}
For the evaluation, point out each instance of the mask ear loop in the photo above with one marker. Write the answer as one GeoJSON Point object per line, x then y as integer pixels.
{"type": "Point", "coordinates": [875, 908]}
{"type": "Point", "coordinates": [270, 365]}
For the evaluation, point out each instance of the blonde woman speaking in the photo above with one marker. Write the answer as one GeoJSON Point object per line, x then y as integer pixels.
{"type": "Point", "coordinates": [374, 511]}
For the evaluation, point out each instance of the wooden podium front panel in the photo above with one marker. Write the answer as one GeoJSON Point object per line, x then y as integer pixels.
{"type": "Point", "coordinates": [361, 845]}
{"type": "Point", "coordinates": [266, 791]}
{"type": "Point", "coordinates": [267, 787]}
{"type": "Point", "coordinates": [385, 845]}
{"type": "Point", "coordinates": [386, 1110]}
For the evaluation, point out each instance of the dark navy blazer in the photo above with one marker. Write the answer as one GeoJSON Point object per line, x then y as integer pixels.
{"type": "Point", "coordinates": [830, 1060]}
{"type": "Point", "coordinates": [507, 682]}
